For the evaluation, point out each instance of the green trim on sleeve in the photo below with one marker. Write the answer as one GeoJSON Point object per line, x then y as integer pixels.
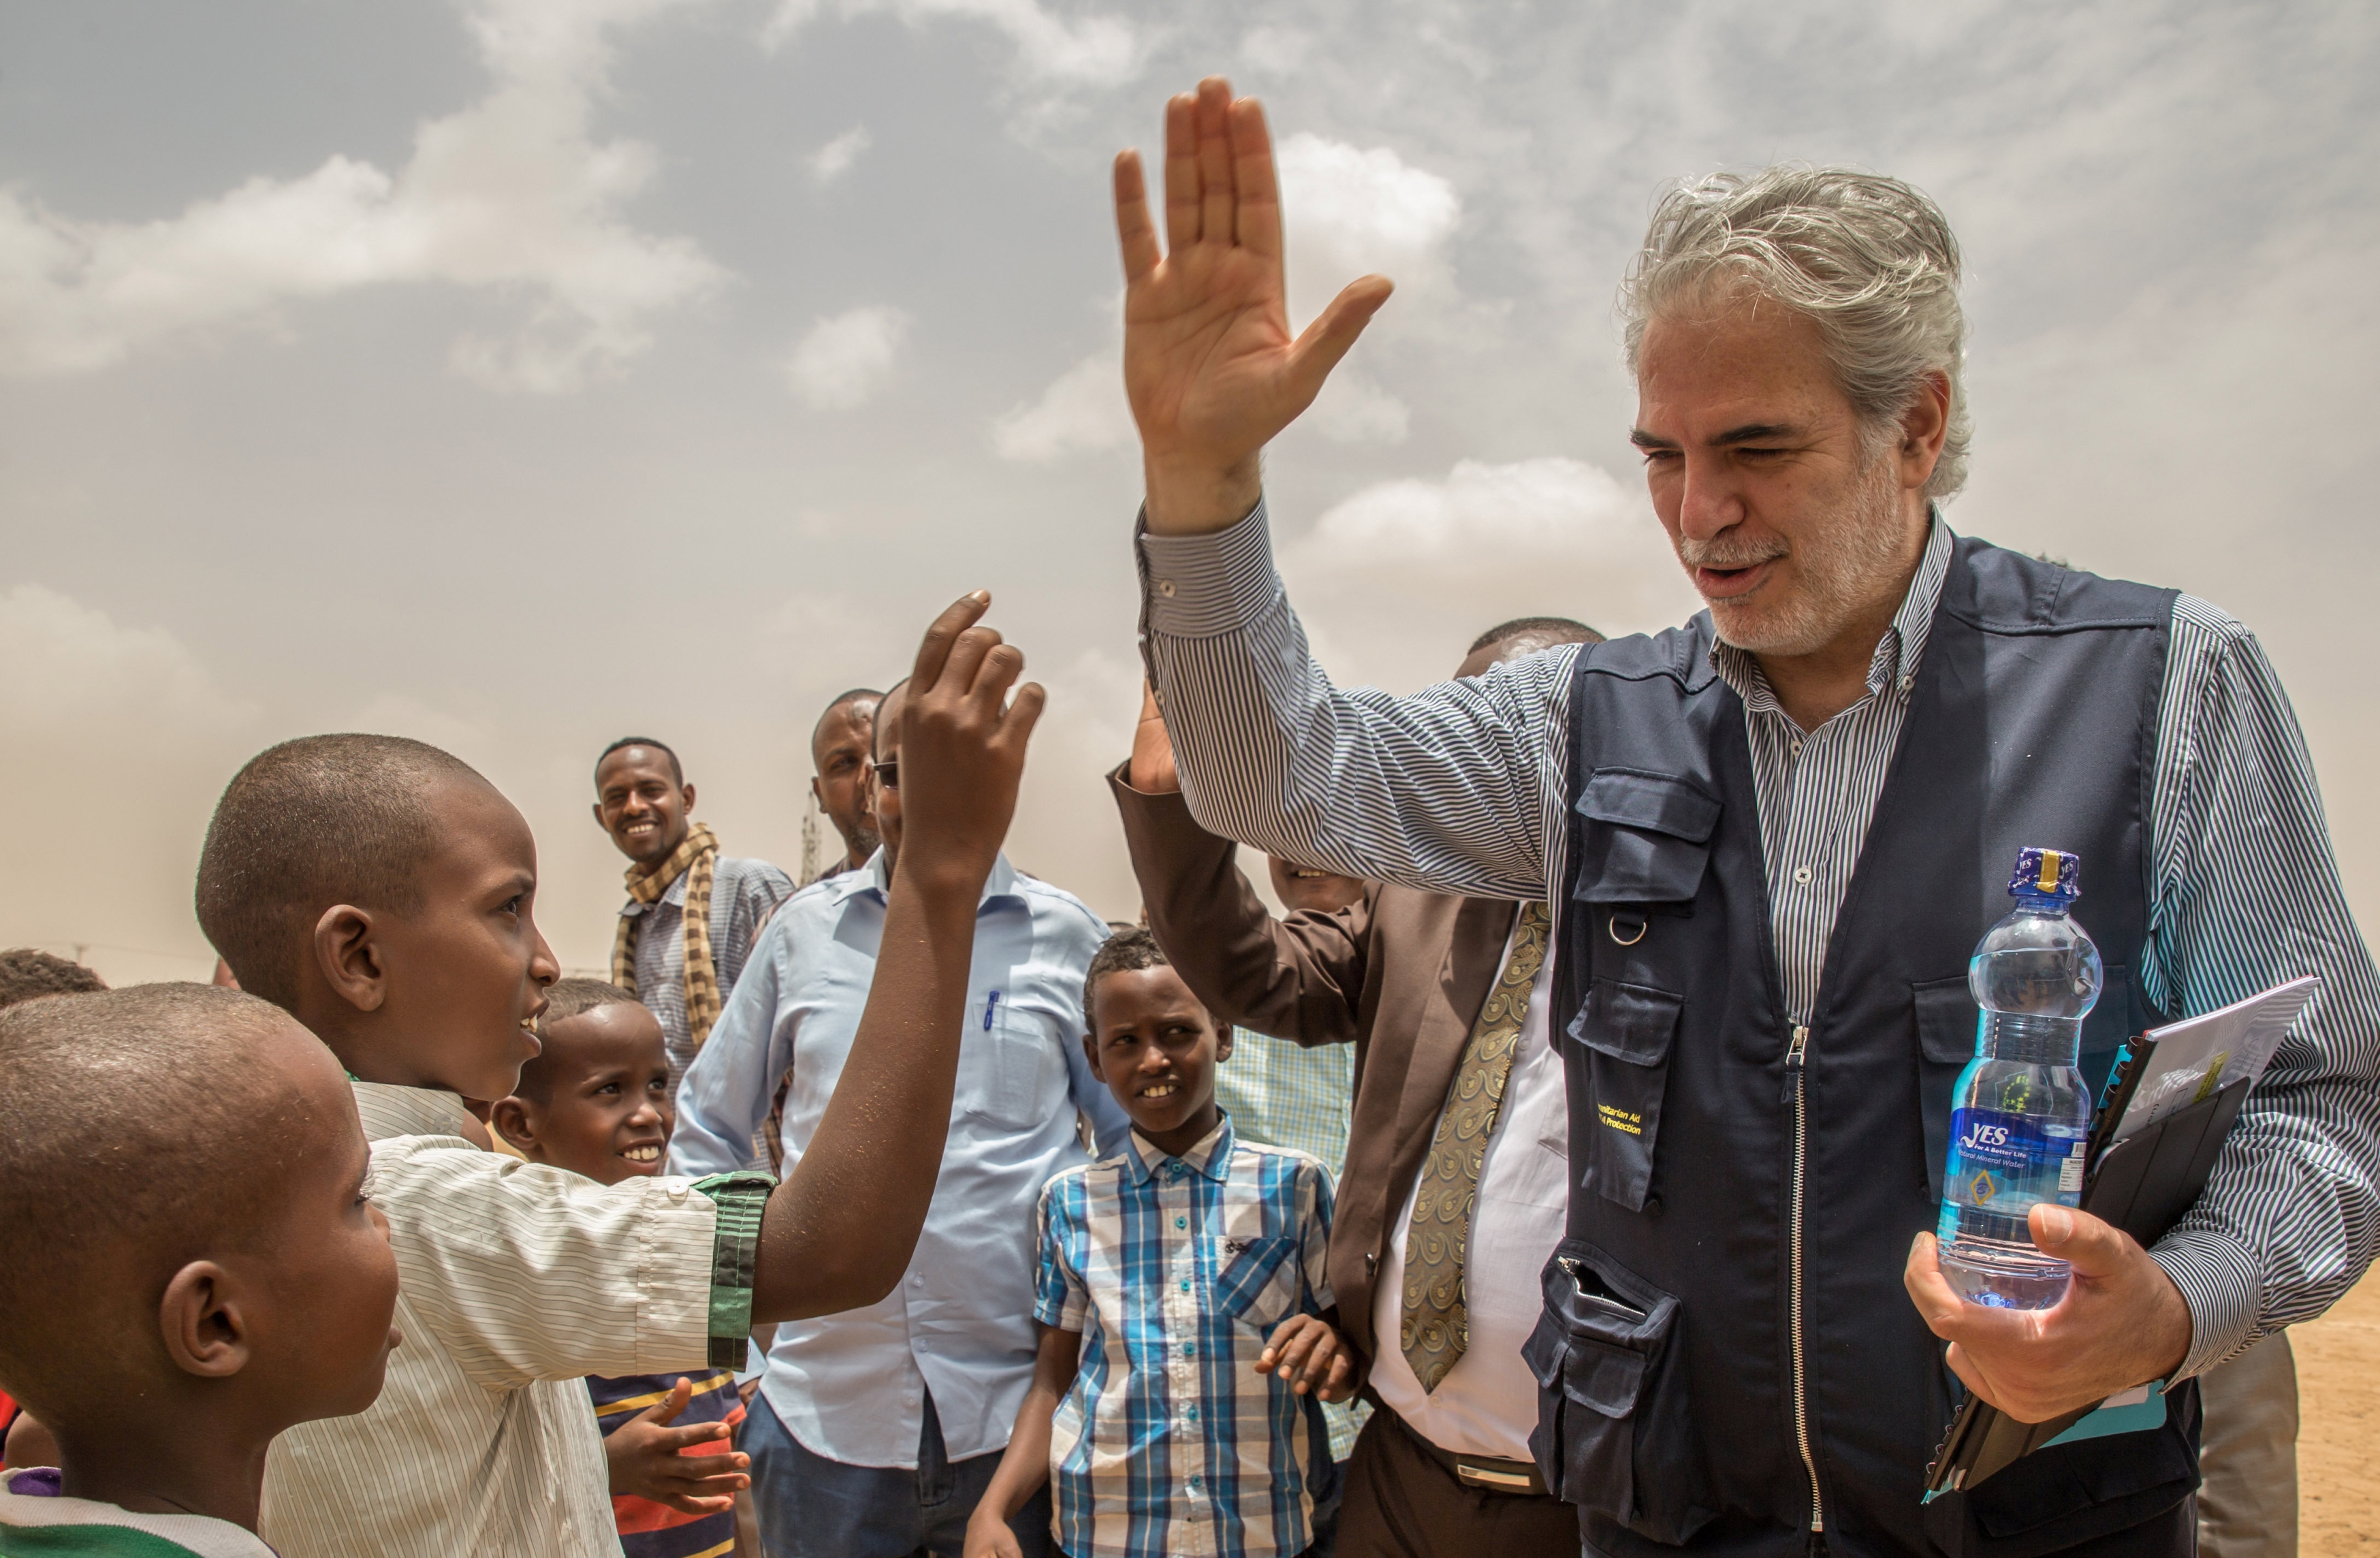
{"type": "Point", "coordinates": [735, 1256]}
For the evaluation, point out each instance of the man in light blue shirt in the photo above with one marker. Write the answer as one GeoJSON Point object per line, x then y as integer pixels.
{"type": "Point", "coordinates": [876, 1430]}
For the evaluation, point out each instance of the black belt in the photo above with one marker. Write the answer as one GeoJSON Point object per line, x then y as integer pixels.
{"type": "Point", "coordinates": [1490, 1474]}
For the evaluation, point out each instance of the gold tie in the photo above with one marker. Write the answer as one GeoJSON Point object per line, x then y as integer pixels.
{"type": "Point", "coordinates": [1436, 1324]}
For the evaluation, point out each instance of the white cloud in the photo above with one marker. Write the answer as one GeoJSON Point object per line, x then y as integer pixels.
{"type": "Point", "coordinates": [72, 665]}
{"type": "Point", "coordinates": [514, 193]}
{"type": "Point", "coordinates": [1406, 572]}
{"type": "Point", "coordinates": [846, 357]}
{"type": "Point", "coordinates": [1090, 50]}
{"type": "Point", "coordinates": [134, 738]}
{"type": "Point", "coordinates": [1351, 209]}
{"type": "Point", "coordinates": [1353, 408]}
{"type": "Point", "coordinates": [833, 160]}
{"type": "Point", "coordinates": [1083, 411]}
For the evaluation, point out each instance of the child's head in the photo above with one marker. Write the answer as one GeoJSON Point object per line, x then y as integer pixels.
{"type": "Point", "coordinates": [595, 1099]}
{"type": "Point", "coordinates": [186, 1237]}
{"type": "Point", "coordinates": [1150, 1041]}
{"type": "Point", "coordinates": [381, 889]}
{"type": "Point", "coordinates": [27, 973]}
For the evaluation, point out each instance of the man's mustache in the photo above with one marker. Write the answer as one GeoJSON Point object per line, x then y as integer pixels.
{"type": "Point", "coordinates": [1721, 552]}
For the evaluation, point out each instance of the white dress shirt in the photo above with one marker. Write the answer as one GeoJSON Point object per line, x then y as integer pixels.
{"type": "Point", "coordinates": [1488, 1402]}
{"type": "Point", "coordinates": [851, 1386]}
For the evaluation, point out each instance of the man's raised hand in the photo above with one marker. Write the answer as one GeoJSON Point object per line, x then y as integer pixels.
{"type": "Point", "coordinates": [961, 748]}
{"type": "Point", "coordinates": [1208, 362]}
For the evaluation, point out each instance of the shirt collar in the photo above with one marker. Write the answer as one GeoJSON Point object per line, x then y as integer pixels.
{"type": "Point", "coordinates": [876, 877]}
{"type": "Point", "coordinates": [1897, 653]}
{"type": "Point", "coordinates": [388, 1110]}
{"type": "Point", "coordinates": [1211, 1156]}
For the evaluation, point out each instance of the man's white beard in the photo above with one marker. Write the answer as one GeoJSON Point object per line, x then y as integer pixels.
{"type": "Point", "coordinates": [1843, 567]}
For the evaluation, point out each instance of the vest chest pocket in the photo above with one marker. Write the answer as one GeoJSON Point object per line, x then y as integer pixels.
{"type": "Point", "coordinates": [1646, 842]}
{"type": "Point", "coordinates": [1628, 1031]}
{"type": "Point", "coordinates": [1946, 1041]}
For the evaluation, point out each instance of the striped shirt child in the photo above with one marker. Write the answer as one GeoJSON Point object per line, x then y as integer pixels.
{"type": "Point", "coordinates": [655, 1531]}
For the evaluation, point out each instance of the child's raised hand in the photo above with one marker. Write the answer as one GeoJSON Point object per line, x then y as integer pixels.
{"type": "Point", "coordinates": [645, 1458]}
{"type": "Point", "coordinates": [1307, 1355]}
{"type": "Point", "coordinates": [963, 746]}
{"type": "Point", "coordinates": [988, 1536]}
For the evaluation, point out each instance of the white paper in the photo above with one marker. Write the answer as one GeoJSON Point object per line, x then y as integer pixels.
{"type": "Point", "coordinates": [2193, 1058]}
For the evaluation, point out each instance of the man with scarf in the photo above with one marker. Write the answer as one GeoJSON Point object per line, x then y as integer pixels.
{"type": "Point", "coordinates": [691, 913]}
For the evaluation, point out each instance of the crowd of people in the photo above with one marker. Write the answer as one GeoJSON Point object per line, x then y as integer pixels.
{"type": "Point", "coordinates": [1549, 1175]}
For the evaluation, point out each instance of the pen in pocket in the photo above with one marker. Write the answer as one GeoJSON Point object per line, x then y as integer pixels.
{"type": "Point", "coordinates": [991, 1004]}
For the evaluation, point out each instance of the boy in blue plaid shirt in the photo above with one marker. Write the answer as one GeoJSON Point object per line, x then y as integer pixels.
{"type": "Point", "coordinates": [1182, 1301]}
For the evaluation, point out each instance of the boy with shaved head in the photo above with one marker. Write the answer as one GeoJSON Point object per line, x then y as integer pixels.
{"type": "Point", "coordinates": [189, 1265]}
{"type": "Point", "coordinates": [383, 892]}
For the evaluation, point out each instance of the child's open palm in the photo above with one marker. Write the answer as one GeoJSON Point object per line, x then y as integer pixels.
{"type": "Point", "coordinates": [647, 1459]}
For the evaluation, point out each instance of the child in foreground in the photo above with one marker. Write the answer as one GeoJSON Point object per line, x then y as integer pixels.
{"type": "Point", "coordinates": [595, 1101]}
{"type": "Point", "coordinates": [189, 1265]}
{"type": "Point", "coordinates": [1181, 1299]}
{"type": "Point", "coordinates": [383, 893]}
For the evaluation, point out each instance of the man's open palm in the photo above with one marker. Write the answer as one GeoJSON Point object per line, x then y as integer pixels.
{"type": "Point", "coordinates": [1208, 361]}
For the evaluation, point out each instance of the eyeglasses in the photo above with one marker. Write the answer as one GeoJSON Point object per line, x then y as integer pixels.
{"type": "Point", "coordinates": [887, 772]}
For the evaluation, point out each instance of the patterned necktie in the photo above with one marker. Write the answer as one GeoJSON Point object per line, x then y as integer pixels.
{"type": "Point", "coordinates": [1436, 1324]}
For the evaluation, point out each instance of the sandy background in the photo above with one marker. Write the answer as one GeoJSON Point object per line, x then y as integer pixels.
{"type": "Point", "coordinates": [2339, 1433]}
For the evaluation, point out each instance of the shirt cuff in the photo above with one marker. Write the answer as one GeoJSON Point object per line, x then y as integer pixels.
{"type": "Point", "coordinates": [1204, 586]}
{"type": "Point", "coordinates": [735, 1256]}
{"type": "Point", "coordinates": [2220, 1282]}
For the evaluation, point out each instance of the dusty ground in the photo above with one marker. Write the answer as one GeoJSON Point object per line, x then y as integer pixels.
{"type": "Point", "coordinates": [2339, 1434]}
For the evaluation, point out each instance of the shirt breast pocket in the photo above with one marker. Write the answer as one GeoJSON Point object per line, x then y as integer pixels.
{"type": "Point", "coordinates": [1255, 1281]}
{"type": "Point", "coordinates": [1007, 1064]}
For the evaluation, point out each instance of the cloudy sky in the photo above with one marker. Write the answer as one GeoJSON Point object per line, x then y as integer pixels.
{"type": "Point", "coordinates": [520, 373]}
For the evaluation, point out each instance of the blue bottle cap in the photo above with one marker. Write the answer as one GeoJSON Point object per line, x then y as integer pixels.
{"type": "Point", "coordinates": [2046, 873]}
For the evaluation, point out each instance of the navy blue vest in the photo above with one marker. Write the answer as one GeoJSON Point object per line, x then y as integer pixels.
{"type": "Point", "coordinates": [1728, 1353]}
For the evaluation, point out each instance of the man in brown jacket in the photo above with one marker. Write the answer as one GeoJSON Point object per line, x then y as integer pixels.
{"type": "Point", "coordinates": [1457, 1173]}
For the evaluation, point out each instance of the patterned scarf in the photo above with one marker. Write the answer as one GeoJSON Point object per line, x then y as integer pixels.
{"type": "Point", "coordinates": [695, 859]}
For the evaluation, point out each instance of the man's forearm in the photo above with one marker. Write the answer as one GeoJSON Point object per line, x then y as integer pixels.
{"type": "Point", "coordinates": [840, 1230]}
{"type": "Point", "coordinates": [1454, 789]}
{"type": "Point", "coordinates": [1298, 980]}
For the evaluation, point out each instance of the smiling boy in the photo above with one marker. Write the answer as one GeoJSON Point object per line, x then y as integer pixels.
{"type": "Point", "coordinates": [1184, 1347]}
{"type": "Point", "coordinates": [189, 1265]}
{"type": "Point", "coordinates": [595, 1102]}
{"type": "Point", "coordinates": [383, 892]}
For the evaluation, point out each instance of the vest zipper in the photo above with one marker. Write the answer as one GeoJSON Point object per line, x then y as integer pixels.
{"type": "Point", "coordinates": [1795, 1055]}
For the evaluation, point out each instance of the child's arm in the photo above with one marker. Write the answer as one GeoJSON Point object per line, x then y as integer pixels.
{"type": "Point", "coordinates": [1309, 1356]}
{"type": "Point", "coordinates": [646, 1457]}
{"type": "Point", "coordinates": [1025, 1466]}
{"type": "Point", "coordinates": [839, 1232]}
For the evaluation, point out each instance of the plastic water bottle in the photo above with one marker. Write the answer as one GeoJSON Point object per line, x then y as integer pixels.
{"type": "Point", "coordinates": [2020, 1116]}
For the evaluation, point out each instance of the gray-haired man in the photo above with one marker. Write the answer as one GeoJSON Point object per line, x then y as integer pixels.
{"type": "Point", "coordinates": [1772, 838]}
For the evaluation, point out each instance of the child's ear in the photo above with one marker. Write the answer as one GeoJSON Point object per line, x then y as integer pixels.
{"type": "Point", "coordinates": [1091, 1053]}
{"type": "Point", "coordinates": [203, 1322]}
{"type": "Point", "coordinates": [510, 1117]}
{"type": "Point", "coordinates": [348, 952]}
{"type": "Point", "coordinates": [1222, 1039]}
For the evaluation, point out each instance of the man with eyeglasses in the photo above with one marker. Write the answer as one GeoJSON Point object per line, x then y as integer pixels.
{"type": "Point", "coordinates": [876, 1430]}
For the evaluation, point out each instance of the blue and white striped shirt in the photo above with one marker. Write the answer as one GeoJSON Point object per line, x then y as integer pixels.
{"type": "Point", "coordinates": [1461, 787]}
{"type": "Point", "coordinates": [1175, 1272]}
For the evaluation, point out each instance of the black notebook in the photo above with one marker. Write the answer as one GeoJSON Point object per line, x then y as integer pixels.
{"type": "Point", "coordinates": [2142, 1184]}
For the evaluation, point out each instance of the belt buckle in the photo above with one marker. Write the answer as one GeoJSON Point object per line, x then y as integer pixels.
{"type": "Point", "coordinates": [1473, 1476]}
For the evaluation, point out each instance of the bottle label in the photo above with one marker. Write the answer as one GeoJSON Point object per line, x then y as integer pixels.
{"type": "Point", "coordinates": [2005, 1163]}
